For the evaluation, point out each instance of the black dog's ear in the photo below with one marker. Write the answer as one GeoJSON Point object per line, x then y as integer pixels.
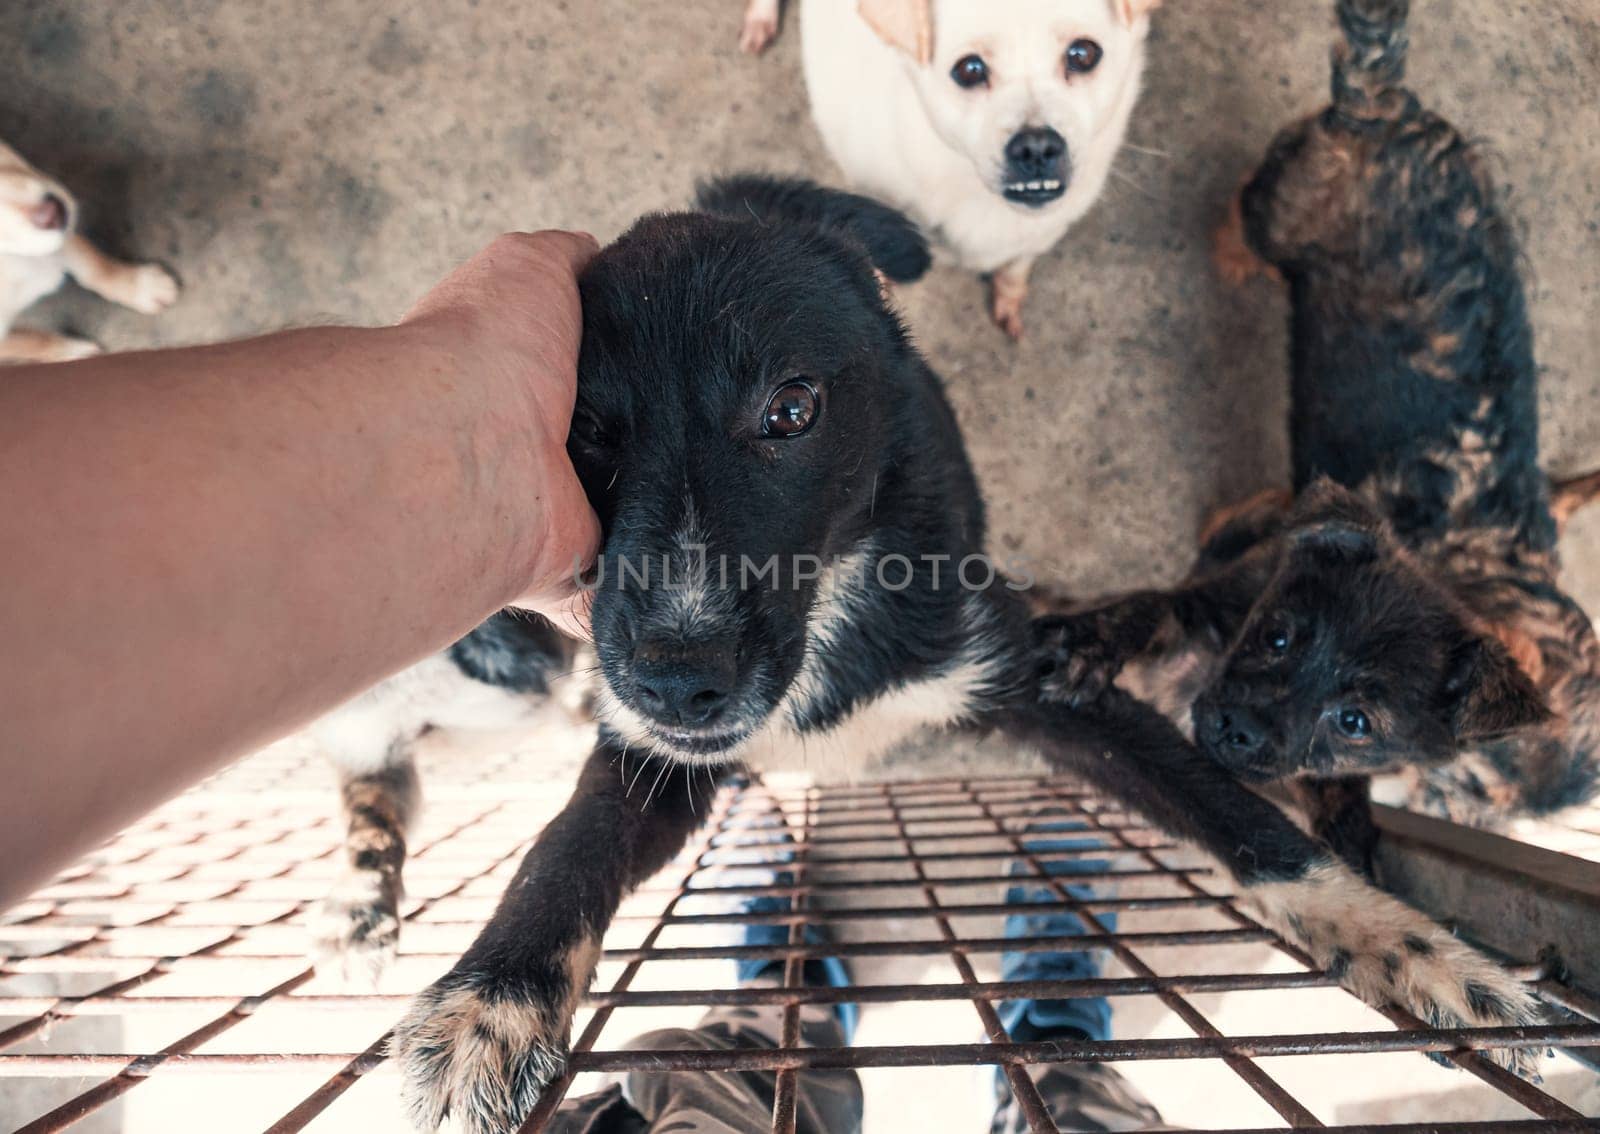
{"type": "Point", "coordinates": [1334, 524]}
{"type": "Point", "coordinates": [1336, 542]}
{"type": "Point", "coordinates": [892, 242]}
{"type": "Point", "coordinates": [1489, 694]}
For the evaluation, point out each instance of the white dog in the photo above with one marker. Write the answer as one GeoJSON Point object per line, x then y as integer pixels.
{"type": "Point", "coordinates": [39, 249]}
{"type": "Point", "coordinates": [993, 122]}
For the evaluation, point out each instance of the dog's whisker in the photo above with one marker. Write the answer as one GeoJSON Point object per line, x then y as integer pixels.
{"type": "Point", "coordinates": [1147, 150]}
{"type": "Point", "coordinates": [1123, 177]}
{"type": "Point", "coordinates": [638, 772]}
{"type": "Point", "coordinates": [583, 670]}
{"type": "Point", "coordinates": [666, 766]}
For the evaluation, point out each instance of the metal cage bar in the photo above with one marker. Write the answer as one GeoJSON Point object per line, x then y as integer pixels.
{"type": "Point", "coordinates": [154, 906]}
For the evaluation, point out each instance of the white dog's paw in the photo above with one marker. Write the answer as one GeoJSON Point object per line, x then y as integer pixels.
{"type": "Point", "coordinates": [150, 289]}
{"type": "Point", "coordinates": [479, 1057]}
{"type": "Point", "coordinates": [760, 26]}
{"type": "Point", "coordinates": [1387, 953]}
{"type": "Point", "coordinates": [1008, 297]}
{"type": "Point", "coordinates": [356, 929]}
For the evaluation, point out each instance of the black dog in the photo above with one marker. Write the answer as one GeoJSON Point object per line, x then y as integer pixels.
{"type": "Point", "coordinates": [793, 568]}
{"type": "Point", "coordinates": [1405, 614]}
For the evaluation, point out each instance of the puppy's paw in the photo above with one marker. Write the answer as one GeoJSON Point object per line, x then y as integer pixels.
{"type": "Point", "coordinates": [1006, 310]}
{"type": "Point", "coordinates": [760, 26]}
{"type": "Point", "coordinates": [1074, 663]}
{"type": "Point", "coordinates": [1387, 953]}
{"type": "Point", "coordinates": [150, 289]}
{"type": "Point", "coordinates": [356, 929]}
{"type": "Point", "coordinates": [481, 1047]}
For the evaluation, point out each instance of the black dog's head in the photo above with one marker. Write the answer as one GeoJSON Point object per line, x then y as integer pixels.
{"type": "Point", "coordinates": [1354, 661]}
{"type": "Point", "coordinates": [742, 386]}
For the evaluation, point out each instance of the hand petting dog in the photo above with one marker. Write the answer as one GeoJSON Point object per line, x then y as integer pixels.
{"type": "Point", "coordinates": [517, 302]}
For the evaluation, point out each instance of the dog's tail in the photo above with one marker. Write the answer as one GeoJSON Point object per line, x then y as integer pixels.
{"type": "Point", "coordinates": [892, 242]}
{"type": "Point", "coordinates": [1370, 65]}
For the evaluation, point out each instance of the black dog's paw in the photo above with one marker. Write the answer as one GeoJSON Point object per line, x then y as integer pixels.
{"type": "Point", "coordinates": [473, 1050]}
{"type": "Point", "coordinates": [1074, 661]}
{"type": "Point", "coordinates": [1387, 953]}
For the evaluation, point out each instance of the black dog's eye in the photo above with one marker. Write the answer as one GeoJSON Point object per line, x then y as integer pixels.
{"type": "Point", "coordinates": [590, 431]}
{"type": "Point", "coordinates": [1277, 634]}
{"type": "Point", "coordinates": [970, 71]}
{"type": "Point", "coordinates": [792, 411]}
{"type": "Point", "coordinates": [1354, 723]}
{"type": "Point", "coordinates": [1083, 56]}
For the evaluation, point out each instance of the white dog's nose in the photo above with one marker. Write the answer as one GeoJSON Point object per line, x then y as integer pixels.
{"type": "Point", "coordinates": [1036, 150]}
{"type": "Point", "coordinates": [1037, 166]}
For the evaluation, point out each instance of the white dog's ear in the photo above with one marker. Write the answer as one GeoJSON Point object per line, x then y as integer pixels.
{"type": "Point", "coordinates": [1132, 11]}
{"type": "Point", "coordinates": [908, 25]}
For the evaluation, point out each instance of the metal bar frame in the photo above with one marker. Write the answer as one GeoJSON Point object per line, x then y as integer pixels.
{"type": "Point", "coordinates": [163, 878]}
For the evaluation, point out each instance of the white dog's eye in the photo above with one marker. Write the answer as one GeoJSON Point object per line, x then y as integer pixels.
{"type": "Point", "coordinates": [970, 71]}
{"type": "Point", "coordinates": [1083, 56]}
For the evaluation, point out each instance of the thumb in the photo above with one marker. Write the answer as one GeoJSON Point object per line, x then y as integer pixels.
{"type": "Point", "coordinates": [576, 248]}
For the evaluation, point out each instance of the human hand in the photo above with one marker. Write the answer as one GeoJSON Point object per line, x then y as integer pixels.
{"type": "Point", "coordinates": [514, 308]}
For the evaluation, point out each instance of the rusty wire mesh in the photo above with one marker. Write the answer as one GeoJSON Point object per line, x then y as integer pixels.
{"type": "Point", "coordinates": [162, 982]}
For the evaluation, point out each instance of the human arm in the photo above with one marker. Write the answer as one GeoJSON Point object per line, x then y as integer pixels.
{"type": "Point", "coordinates": [203, 549]}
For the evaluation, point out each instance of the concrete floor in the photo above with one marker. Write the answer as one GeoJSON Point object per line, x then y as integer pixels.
{"type": "Point", "coordinates": [301, 161]}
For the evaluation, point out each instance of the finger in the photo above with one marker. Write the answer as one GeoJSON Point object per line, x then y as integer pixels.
{"type": "Point", "coordinates": [575, 249]}
{"type": "Point", "coordinates": [569, 615]}
{"type": "Point", "coordinates": [566, 597]}
{"type": "Point", "coordinates": [579, 247]}
{"type": "Point", "coordinates": [575, 617]}
{"type": "Point", "coordinates": [586, 540]}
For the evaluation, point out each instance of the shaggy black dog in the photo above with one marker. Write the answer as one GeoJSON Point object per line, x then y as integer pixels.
{"type": "Point", "coordinates": [1403, 613]}
{"type": "Point", "coordinates": [793, 576]}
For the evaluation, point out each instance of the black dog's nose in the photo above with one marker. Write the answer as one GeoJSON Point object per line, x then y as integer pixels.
{"type": "Point", "coordinates": [1238, 729]}
{"type": "Point", "coordinates": [683, 686]}
{"type": "Point", "coordinates": [49, 214]}
{"type": "Point", "coordinates": [1036, 152]}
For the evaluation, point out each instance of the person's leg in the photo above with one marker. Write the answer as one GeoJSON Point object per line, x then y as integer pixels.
{"type": "Point", "coordinates": [1087, 1097]}
{"type": "Point", "coordinates": [740, 1102]}
{"type": "Point", "coordinates": [604, 1112]}
{"type": "Point", "coordinates": [737, 1102]}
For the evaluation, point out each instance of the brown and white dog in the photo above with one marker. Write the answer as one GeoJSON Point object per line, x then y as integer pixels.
{"type": "Point", "coordinates": [994, 126]}
{"type": "Point", "coordinates": [40, 248]}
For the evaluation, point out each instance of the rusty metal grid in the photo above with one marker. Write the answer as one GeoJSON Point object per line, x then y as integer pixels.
{"type": "Point", "coordinates": [191, 926]}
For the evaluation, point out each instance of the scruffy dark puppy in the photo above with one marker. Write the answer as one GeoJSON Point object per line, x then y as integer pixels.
{"type": "Point", "coordinates": [793, 577]}
{"type": "Point", "coordinates": [1405, 614]}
